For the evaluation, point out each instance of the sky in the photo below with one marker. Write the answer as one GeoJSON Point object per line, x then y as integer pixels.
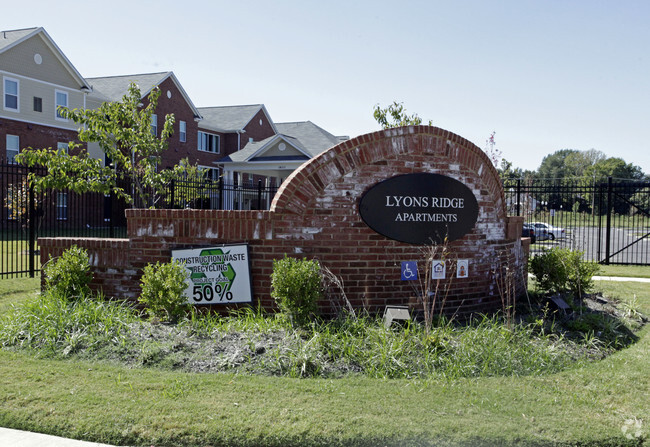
{"type": "Point", "coordinates": [542, 75]}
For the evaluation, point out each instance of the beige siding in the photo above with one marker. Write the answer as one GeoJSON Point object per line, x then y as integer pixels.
{"type": "Point", "coordinates": [28, 89]}
{"type": "Point", "coordinates": [290, 151]}
{"type": "Point", "coordinates": [20, 60]}
{"type": "Point", "coordinates": [94, 151]}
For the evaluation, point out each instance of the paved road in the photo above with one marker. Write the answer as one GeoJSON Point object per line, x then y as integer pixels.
{"type": "Point", "coordinates": [586, 239]}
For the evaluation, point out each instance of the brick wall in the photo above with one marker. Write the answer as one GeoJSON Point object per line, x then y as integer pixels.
{"type": "Point", "coordinates": [315, 215]}
{"type": "Point", "coordinates": [33, 135]}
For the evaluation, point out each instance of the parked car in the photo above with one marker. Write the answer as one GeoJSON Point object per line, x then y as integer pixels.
{"type": "Point", "coordinates": [553, 232]}
{"type": "Point", "coordinates": [528, 231]}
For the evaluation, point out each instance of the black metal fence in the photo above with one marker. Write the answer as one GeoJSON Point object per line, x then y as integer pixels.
{"type": "Point", "coordinates": [608, 221]}
{"type": "Point", "coordinates": [26, 215]}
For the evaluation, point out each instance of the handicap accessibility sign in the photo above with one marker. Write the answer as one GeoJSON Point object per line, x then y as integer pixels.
{"type": "Point", "coordinates": [409, 270]}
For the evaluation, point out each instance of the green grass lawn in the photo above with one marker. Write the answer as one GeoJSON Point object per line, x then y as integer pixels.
{"type": "Point", "coordinates": [635, 271]}
{"type": "Point", "coordinates": [13, 291]}
{"type": "Point", "coordinates": [589, 405]}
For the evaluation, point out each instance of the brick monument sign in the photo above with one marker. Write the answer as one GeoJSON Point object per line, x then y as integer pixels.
{"type": "Point", "coordinates": [364, 209]}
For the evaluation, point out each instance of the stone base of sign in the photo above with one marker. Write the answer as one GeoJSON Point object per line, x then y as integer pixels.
{"type": "Point", "coordinates": [315, 215]}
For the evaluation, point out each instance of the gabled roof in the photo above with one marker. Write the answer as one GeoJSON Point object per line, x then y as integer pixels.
{"type": "Point", "coordinates": [113, 88]}
{"type": "Point", "coordinates": [232, 118]}
{"type": "Point", "coordinates": [313, 138]}
{"type": "Point", "coordinates": [11, 38]}
{"type": "Point", "coordinates": [304, 136]}
{"type": "Point", "coordinates": [255, 149]}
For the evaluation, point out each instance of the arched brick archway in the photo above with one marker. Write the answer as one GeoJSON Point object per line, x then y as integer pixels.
{"type": "Point", "coordinates": [320, 204]}
{"type": "Point", "coordinates": [423, 142]}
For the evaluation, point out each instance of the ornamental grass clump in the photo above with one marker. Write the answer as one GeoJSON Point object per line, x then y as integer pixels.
{"type": "Point", "coordinates": [296, 288]}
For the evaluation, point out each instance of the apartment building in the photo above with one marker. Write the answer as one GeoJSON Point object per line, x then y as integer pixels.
{"type": "Point", "coordinates": [241, 142]}
{"type": "Point", "coordinates": [36, 79]}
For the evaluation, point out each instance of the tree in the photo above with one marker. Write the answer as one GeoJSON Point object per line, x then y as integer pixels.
{"type": "Point", "coordinates": [509, 173]}
{"type": "Point", "coordinates": [577, 163]}
{"type": "Point", "coordinates": [17, 200]}
{"type": "Point", "coordinates": [616, 168]}
{"type": "Point", "coordinates": [123, 132]}
{"type": "Point", "coordinates": [395, 116]}
{"type": "Point", "coordinates": [554, 165]}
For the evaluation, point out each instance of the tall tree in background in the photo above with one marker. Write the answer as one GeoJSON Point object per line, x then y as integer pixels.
{"type": "Point", "coordinates": [395, 116]}
{"type": "Point", "coordinates": [554, 165]}
{"type": "Point", "coordinates": [578, 162]}
{"type": "Point", "coordinates": [123, 131]}
{"type": "Point", "coordinates": [614, 167]}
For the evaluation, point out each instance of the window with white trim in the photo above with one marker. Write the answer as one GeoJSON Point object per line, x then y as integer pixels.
{"type": "Point", "coordinates": [62, 206]}
{"type": "Point", "coordinates": [62, 146]}
{"type": "Point", "coordinates": [182, 128]}
{"type": "Point", "coordinates": [11, 88]}
{"type": "Point", "coordinates": [154, 125]}
{"type": "Point", "coordinates": [13, 147]}
{"type": "Point", "coordinates": [208, 142]}
{"type": "Point", "coordinates": [60, 100]}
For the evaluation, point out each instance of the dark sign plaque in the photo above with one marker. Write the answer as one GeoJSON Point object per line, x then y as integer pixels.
{"type": "Point", "coordinates": [420, 208]}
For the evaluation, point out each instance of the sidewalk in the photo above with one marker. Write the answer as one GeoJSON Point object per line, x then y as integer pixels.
{"type": "Point", "coordinates": [611, 278]}
{"type": "Point", "coordinates": [620, 278]}
{"type": "Point", "coordinates": [18, 438]}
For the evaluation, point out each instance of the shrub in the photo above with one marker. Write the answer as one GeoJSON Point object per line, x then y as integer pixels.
{"type": "Point", "coordinates": [162, 290]}
{"type": "Point", "coordinates": [560, 270]}
{"type": "Point", "coordinates": [69, 274]}
{"type": "Point", "coordinates": [296, 287]}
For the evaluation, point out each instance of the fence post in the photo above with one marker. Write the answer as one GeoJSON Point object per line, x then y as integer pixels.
{"type": "Point", "coordinates": [221, 193]}
{"type": "Point", "coordinates": [600, 218]}
{"type": "Point", "coordinates": [259, 194]}
{"type": "Point", "coordinates": [171, 193]}
{"type": "Point", "coordinates": [608, 236]}
{"type": "Point", "coordinates": [32, 228]}
{"type": "Point", "coordinates": [111, 220]}
{"type": "Point", "coordinates": [518, 197]}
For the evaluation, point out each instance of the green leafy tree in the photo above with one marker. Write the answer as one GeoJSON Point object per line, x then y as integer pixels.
{"type": "Point", "coordinates": [395, 116]}
{"type": "Point", "coordinates": [578, 163]}
{"type": "Point", "coordinates": [554, 165]}
{"type": "Point", "coordinates": [614, 167]}
{"type": "Point", "coordinates": [123, 132]}
{"type": "Point", "coordinates": [641, 200]}
{"type": "Point", "coordinates": [17, 204]}
{"type": "Point", "coordinates": [186, 190]}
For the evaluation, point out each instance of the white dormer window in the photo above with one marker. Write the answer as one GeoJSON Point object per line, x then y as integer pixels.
{"type": "Point", "coordinates": [11, 88]}
{"type": "Point", "coordinates": [60, 100]}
